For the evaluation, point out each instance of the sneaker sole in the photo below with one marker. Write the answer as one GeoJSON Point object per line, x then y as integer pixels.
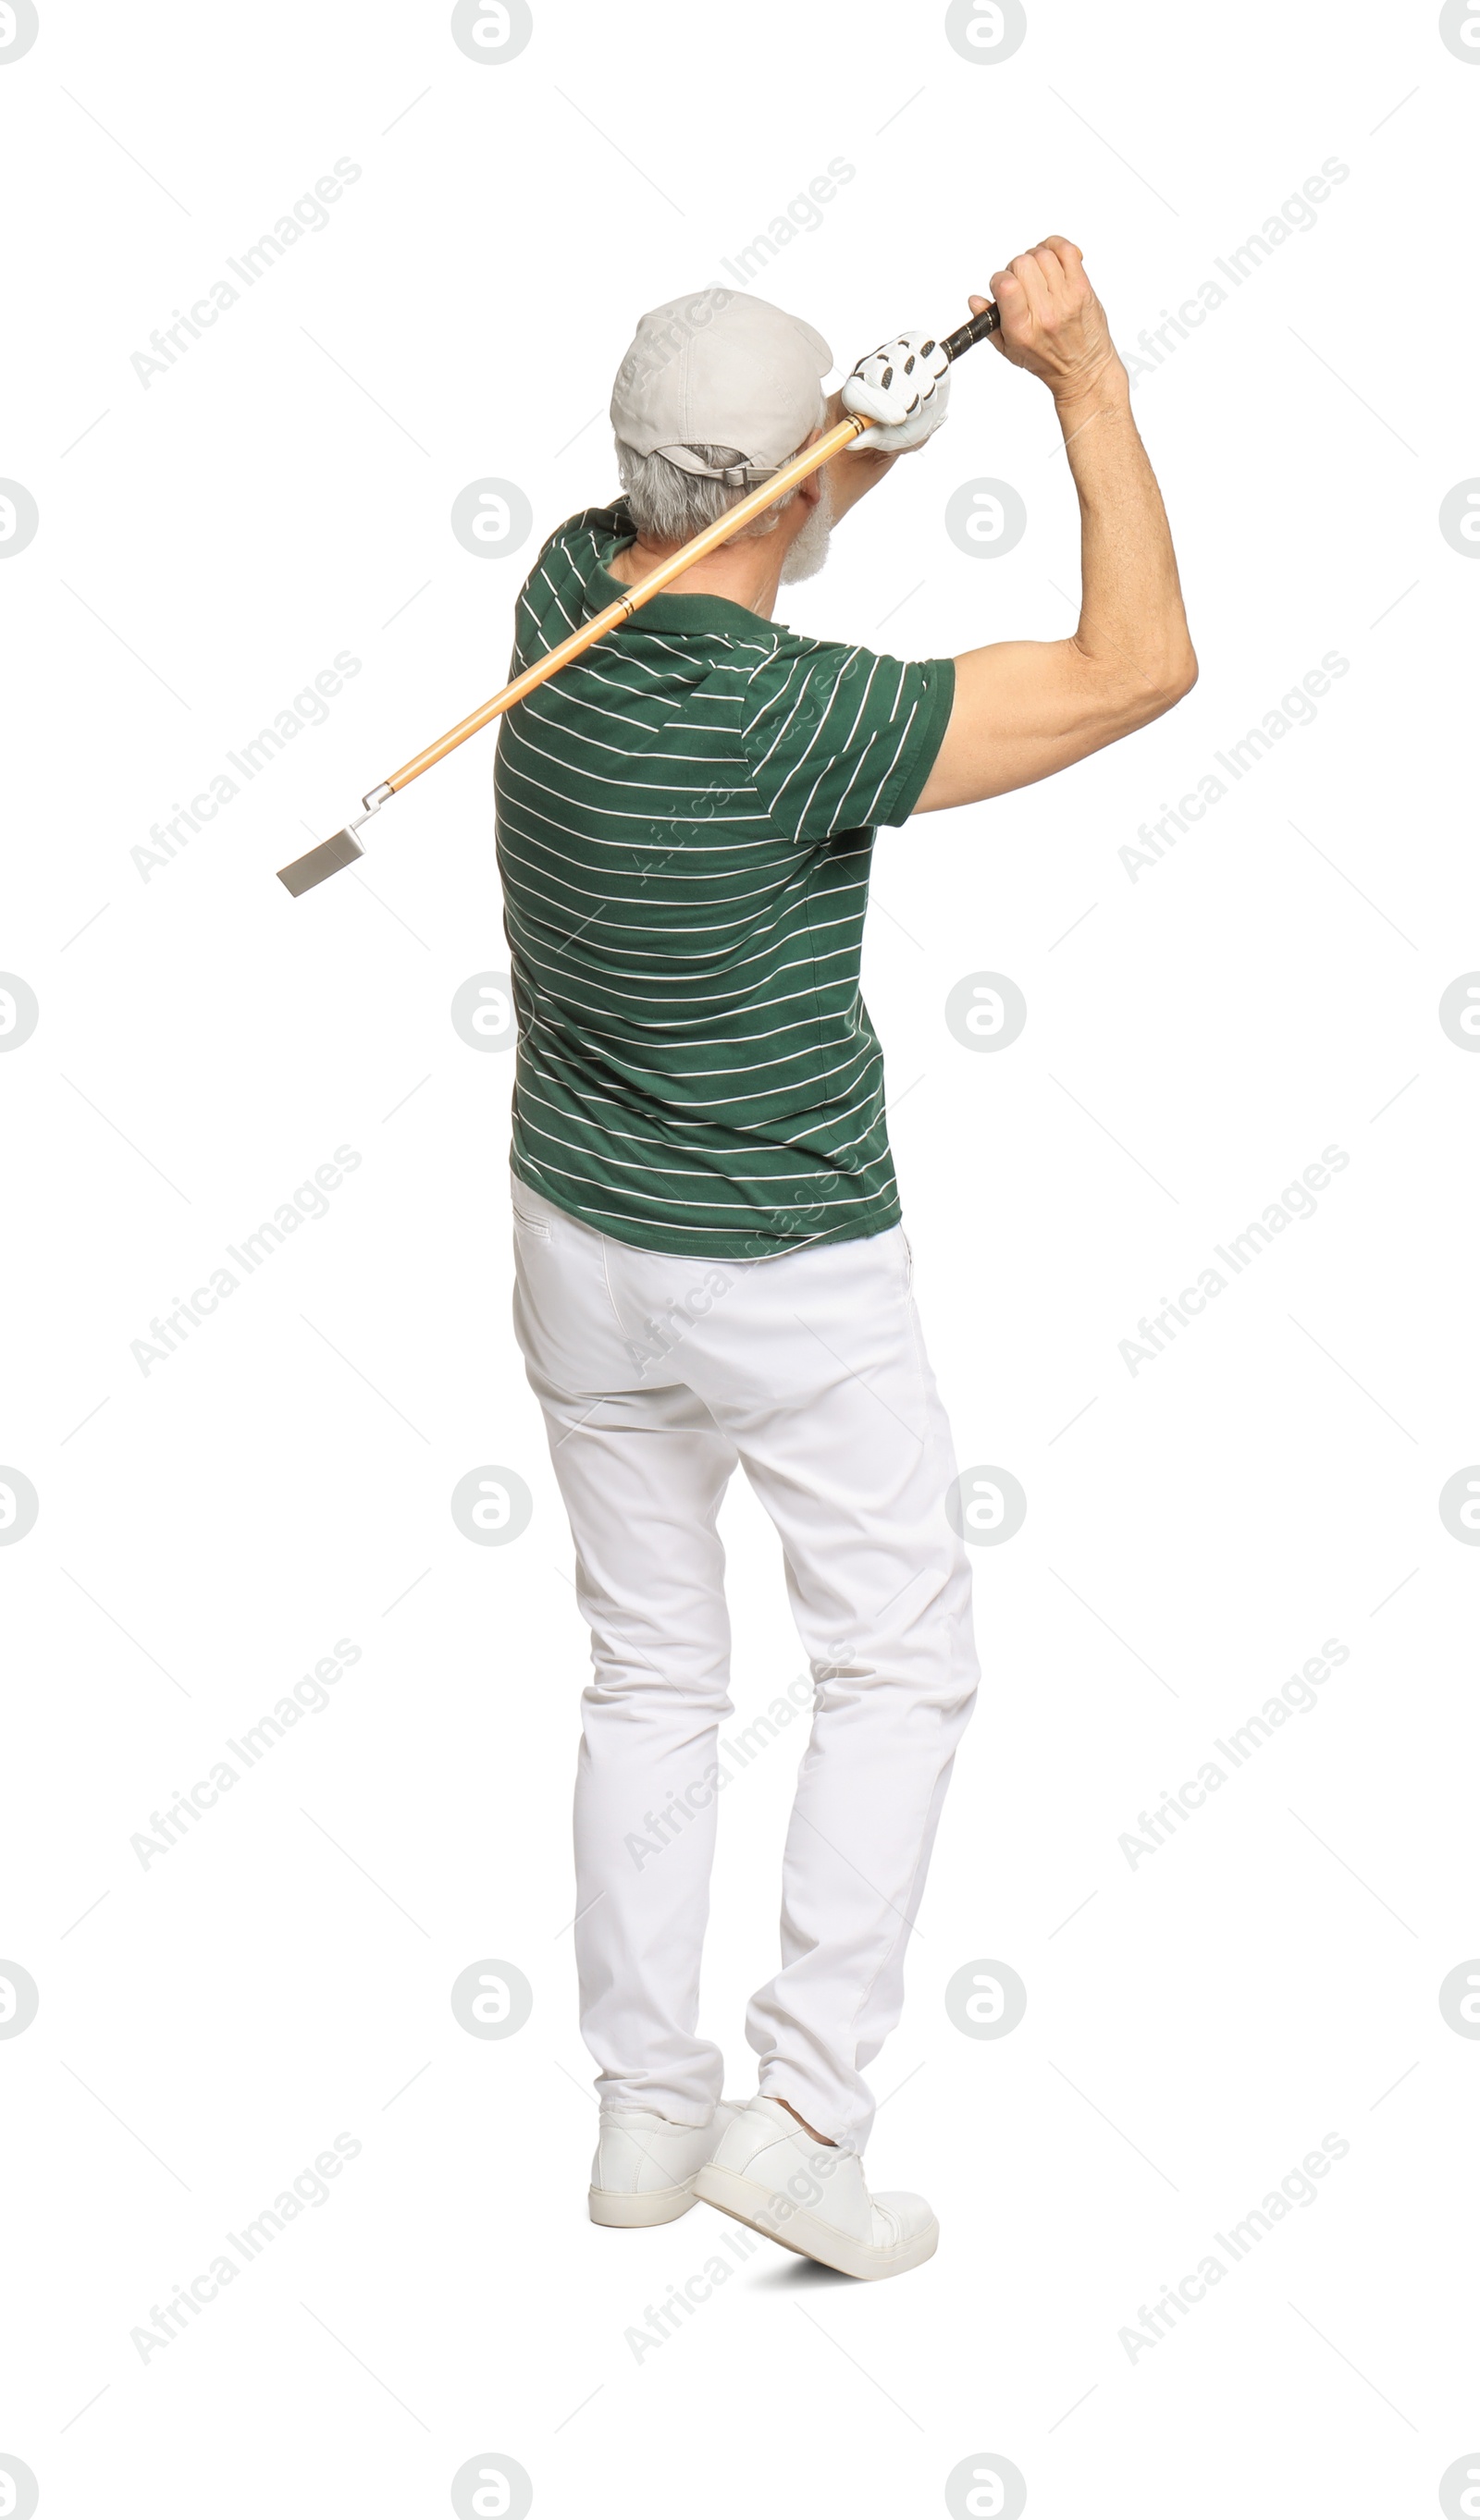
{"type": "Point", "coordinates": [748, 2201]}
{"type": "Point", "coordinates": [622, 2209]}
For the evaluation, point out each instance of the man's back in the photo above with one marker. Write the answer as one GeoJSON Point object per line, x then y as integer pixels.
{"type": "Point", "coordinates": [685, 820]}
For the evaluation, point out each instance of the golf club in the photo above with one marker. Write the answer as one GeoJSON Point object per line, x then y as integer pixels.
{"type": "Point", "coordinates": [318, 864]}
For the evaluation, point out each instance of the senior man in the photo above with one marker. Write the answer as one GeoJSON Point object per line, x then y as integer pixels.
{"type": "Point", "coordinates": [710, 1265]}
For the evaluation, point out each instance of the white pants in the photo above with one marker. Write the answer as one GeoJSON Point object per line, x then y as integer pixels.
{"type": "Point", "coordinates": [657, 1375]}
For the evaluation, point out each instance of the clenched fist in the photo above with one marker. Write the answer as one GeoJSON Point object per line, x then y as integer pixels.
{"type": "Point", "coordinates": [1053, 324]}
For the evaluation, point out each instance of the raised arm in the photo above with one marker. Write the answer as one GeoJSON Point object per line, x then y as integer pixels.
{"type": "Point", "coordinates": [1025, 709]}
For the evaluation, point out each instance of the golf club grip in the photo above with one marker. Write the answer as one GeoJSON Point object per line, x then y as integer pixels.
{"type": "Point", "coordinates": [967, 338]}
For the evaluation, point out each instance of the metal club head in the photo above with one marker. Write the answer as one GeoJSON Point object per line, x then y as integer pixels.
{"type": "Point", "coordinates": [319, 864]}
{"type": "Point", "coordinates": [316, 865]}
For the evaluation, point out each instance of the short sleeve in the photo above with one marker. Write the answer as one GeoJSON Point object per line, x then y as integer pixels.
{"type": "Point", "coordinates": [835, 738]}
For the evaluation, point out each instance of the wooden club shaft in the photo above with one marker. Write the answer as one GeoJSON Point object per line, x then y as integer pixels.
{"type": "Point", "coordinates": [810, 461]}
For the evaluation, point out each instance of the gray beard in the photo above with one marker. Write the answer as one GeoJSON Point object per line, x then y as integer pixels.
{"type": "Point", "coordinates": [809, 553]}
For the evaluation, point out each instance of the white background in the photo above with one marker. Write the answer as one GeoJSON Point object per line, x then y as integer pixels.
{"type": "Point", "coordinates": [1194, 1039]}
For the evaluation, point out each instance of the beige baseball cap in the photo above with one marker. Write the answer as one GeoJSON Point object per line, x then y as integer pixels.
{"type": "Point", "coordinates": [720, 369]}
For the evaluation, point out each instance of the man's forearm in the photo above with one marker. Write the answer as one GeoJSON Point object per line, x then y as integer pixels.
{"type": "Point", "coordinates": [1023, 709]}
{"type": "Point", "coordinates": [1131, 617]}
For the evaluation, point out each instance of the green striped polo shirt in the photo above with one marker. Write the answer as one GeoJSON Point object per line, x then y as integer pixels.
{"type": "Point", "coordinates": [685, 820]}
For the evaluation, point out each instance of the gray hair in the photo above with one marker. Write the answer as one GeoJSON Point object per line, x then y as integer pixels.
{"type": "Point", "coordinates": [668, 505]}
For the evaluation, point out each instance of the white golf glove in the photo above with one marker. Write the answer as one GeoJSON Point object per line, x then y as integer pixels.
{"type": "Point", "coordinates": [904, 385]}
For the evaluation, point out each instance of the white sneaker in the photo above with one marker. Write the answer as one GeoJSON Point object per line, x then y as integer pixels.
{"type": "Point", "coordinates": [644, 2165]}
{"type": "Point", "coordinates": [767, 2171]}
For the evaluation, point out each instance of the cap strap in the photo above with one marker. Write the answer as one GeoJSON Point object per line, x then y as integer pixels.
{"type": "Point", "coordinates": [735, 476]}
